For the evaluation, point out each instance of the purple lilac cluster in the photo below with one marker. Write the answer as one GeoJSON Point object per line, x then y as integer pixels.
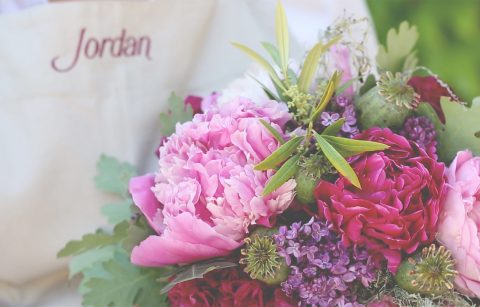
{"type": "Point", "coordinates": [323, 272]}
{"type": "Point", "coordinates": [420, 130]}
{"type": "Point", "coordinates": [343, 108]}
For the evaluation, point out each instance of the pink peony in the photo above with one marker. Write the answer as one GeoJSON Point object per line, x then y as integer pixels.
{"type": "Point", "coordinates": [206, 193]}
{"type": "Point", "coordinates": [459, 222]}
{"type": "Point", "coordinates": [397, 208]}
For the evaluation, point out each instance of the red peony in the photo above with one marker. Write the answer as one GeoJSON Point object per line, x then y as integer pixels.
{"type": "Point", "coordinates": [397, 208]}
{"type": "Point", "coordinates": [225, 288]}
{"type": "Point", "coordinates": [430, 90]}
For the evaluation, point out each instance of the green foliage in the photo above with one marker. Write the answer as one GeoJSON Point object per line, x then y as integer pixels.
{"type": "Point", "coordinates": [124, 285]}
{"type": "Point", "coordinates": [334, 128]}
{"type": "Point", "coordinates": [281, 154]}
{"type": "Point", "coordinates": [137, 231]}
{"type": "Point", "coordinates": [272, 131]}
{"type": "Point", "coordinates": [197, 270]}
{"type": "Point", "coordinates": [398, 54]}
{"type": "Point", "coordinates": [336, 159]}
{"type": "Point", "coordinates": [281, 32]}
{"type": "Point", "coordinates": [94, 240]}
{"type": "Point", "coordinates": [448, 43]}
{"type": "Point", "coordinates": [286, 171]}
{"type": "Point", "coordinates": [178, 113]}
{"type": "Point", "coordinates": [350, 147]}
{"type": "Point", "coordinates": [113, 176]}
{"type": "Point", "coordinates": [461, 130]}
{"type": "Point", "coordinates": [118, 212]}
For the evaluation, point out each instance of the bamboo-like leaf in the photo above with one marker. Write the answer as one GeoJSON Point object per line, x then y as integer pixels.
{"type": "Point", "coordinates": [273, 51]}
{"type": "Point", "coordinates": [327, 95]}
{"type": "Point", "coordinates": [281, 32]}
{"type": "Point", "coordinates": [287, 171]}
{"type": "Point", "coordinates": [342, 88]}
{"type": "Point", "coordinates": [339, 162]}
{"type": "Point", "coordinates": [311, 64]}
{"type": "Point", "coordinates": [334, 128]}
{"type": "Point", "coordinates": [264, 63]}
{"type": "Point", "coordinates": [267, 91]}
{"type": "Point", "coordinates": [280, 154]}
{"type": "Point", "coordinates": [348, 147]}
{"type": "Point", "coordinates": [272, 131]}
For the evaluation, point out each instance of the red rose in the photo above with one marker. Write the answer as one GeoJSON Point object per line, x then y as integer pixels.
{"type": "Point", "coordinates": [397, 208]}
{"type": "Point", "coordinates": [430, 90]}
{"type": "Point", "coordinates": [225, 288]}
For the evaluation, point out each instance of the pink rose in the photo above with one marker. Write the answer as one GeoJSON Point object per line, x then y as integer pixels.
{"type": "Point", "coordinates": [396, 211]}
{"type": "Point", "coordinates": [206, 193]}
{"type": "Point", "coordinates": [459, 221]}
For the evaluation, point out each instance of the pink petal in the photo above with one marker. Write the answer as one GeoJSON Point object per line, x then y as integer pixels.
{"type": "Point", "coordinates": [141, 189]}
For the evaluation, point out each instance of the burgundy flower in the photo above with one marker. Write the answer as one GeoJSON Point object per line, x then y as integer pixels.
{"type": "Point", "coordinates": [397, 208]}
{"type": "Point", "coordinates": [431, 90]}
{"type": "Point", "coordinates": [195, 102]}
{"type": "Point", "coordinates": [225, 288]}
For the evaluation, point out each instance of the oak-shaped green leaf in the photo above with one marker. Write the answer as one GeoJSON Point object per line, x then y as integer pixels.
{"type": "Point", "coordinates": [281, 32]}
{"type": "Point", "coordinates": [86, 260]}
{"type": "Point", "coordinates": [398, 55]}
{"type": "Point", "coordinates": [197, 270]}
{"type": "Point", "coordinates": [264, 63]}
{"type": "Point", "coordinates": [334, 128]}
{"type": "Point", "coordinates": [336, 159]}
{"type": "Point", "coordinates": [310, 65]}
{"type": "Point", "coordinates": [118, 212]}
{"type": "Point", "coordinates": [272, 131]}
{"type": "Point", "coordinates": [94, 240]}
{"type": "Point", "coordinates": [137, 231]}
{"type": "Point", "coordinates": [349, 147]}
{"type": "Point", "coordinates": [178, 112]}
{"type": "Point", "coordinates": [113, 175]}
{"type": "Point", "coordinates": [124, 285]}
{"type": "Point", "coordinates": [461, 130]}
{"type": "Point", "coordinates": [280, 154]}
{"type": "Point", "coordinates": [287, 171]}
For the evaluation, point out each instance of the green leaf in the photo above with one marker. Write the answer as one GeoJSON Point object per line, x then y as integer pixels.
{"type": "Point", "coordinates": [136, 233]}
{"type": "Point", "coordinates": [96, 240]}
{"type": "Point", "coordinates": [269, 93]}
{"type": "Point", "coordinates": [273, 51]}
{"type": "Point", "coordinates": [125, 286]}
{"type": "Point", "coordinates": [369, 83]}
{"type": "Point", "coordinates": [398, 55]}
{"type": "Point", "coordinates": [327, 96]}
{"type": "Point", "coordinates": [461, 131]}
{"type": "Point", "coordinates": [340, 164]}
{"type": "Point", "coordinates": [349, 147]}
{"type": "Point", "coordinates": [88, 259]}
{"type": "Point", "coordinates": [273, 131]}
{"type": "Point", "coordinates": [113, 176]}
{"type": "Point", "coordinates": [197, 270]}
{"type": "Point", "coordinates": [334, 128]}
{"type": "Point", "coordinates": [310, 65]}
{"type": "Point", "coordinates": [287, 171]}
{"type": "Point", "coordinates": [264, 63]}
{"type": "Point", "coordinates": [280, 154]}
{"type": "Point", "coordinates": [118, 212]}
{"type": "Point", "coordinates": [178, 112]}
{"type": "Point", "coordinates": [281, 32]}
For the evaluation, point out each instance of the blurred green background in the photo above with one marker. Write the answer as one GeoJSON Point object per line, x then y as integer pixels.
{"type": "Point", "coordinates": [449, 42]}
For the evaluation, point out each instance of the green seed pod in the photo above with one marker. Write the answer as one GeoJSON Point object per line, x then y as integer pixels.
{"type": "Point", "coordinates": [388, 104]}
{"type": "Point", "coordinates": [261, 259]}
{"type": "Point", "coordinates": [429, 272]}
{"type": "Point", "coordinates": [311, 171]}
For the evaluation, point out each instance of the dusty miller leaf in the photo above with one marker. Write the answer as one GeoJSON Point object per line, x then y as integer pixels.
{"type": "Point", "coordinates": [113, 176]}
{"type": "Point", "coordinates": [178, 112]}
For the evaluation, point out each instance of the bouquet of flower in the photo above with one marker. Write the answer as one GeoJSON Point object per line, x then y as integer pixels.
{"type": "Point", "coordinates": [328, 187]}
